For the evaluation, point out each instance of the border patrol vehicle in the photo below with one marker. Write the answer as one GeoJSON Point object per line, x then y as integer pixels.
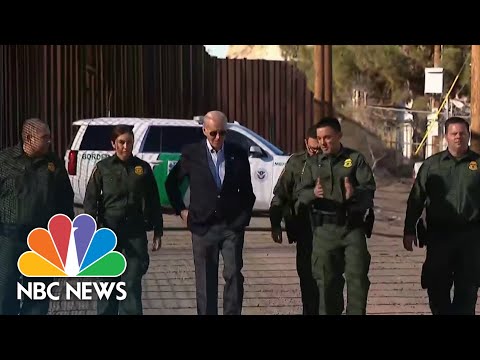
{"type": "Point", "coordinates": [159, 142]}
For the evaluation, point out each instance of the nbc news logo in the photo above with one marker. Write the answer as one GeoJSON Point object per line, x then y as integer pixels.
{"type": "Point", "coordinates": [72, 250]}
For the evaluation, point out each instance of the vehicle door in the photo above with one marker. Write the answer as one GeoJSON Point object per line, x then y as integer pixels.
{"type": "Point", "coordinates": [261, 168]}
{"type": "Point", "coordinates": [162, 149]}
{"type": "Point", "coordinates": [95, 146]}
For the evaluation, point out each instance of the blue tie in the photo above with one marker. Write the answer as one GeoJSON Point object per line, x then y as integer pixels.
{"type": "Point", "coordinates": [214, 168]}
{"type": "Point", "coordinates": [217, 173]}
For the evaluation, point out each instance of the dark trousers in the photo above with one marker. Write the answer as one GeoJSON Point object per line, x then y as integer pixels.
{"type": "Point", "coordinates": [13, 242]}
{"type": "Point", "coordinates": [206, 250]}
{"type": "Point", "coordinates": [452, 260]}
{"type": "Point", "coordinates": [135, 249]}
{"type": "Point", "coordinates": [308, 285]}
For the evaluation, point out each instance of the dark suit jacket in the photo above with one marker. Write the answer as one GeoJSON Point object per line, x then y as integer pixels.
{"type": "Point", "coordinates": [232, 203]}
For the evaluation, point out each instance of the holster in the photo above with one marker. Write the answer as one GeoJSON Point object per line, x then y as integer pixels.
{"type": "Point", "coordinates": [368, 223]}
{"type": "Point", "coordinates": [421, 233]}
{"type": "Point", "coordinates": [297, 224]}
{"type": "Point", "coordinates": [291, 228]}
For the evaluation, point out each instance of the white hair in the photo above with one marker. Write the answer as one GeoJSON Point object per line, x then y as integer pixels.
{"type": "Point", "coordinates": [215, 115]}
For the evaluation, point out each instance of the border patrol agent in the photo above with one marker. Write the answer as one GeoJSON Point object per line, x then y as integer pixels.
{"type": "Point", "coordinates": [122, 195]}
{"type": "Point", "coordinates": [338, 188]}
{"type": "Point", "coordinates": [297, 225]}
{"type": "Point", "coordinates": [34, 186]}
{"type": "Point", "coordinates": [448, 188]}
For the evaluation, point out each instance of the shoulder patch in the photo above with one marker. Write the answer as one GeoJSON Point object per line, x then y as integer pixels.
{"type": "Point", "coordinates": [473, 165]}
{"type": "Point", "coordinates": [51, 166]}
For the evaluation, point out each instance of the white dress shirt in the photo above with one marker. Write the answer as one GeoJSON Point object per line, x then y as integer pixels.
{"type": "Point", "coordinates": [218, 158]}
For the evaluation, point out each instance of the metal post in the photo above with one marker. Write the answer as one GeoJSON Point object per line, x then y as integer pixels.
{"type": "Point", "coordinates": [328, 81]}
{"type": "Point", "coordinates": [319, 83]}
{"type": "Point", "coordinates": [475, 98]}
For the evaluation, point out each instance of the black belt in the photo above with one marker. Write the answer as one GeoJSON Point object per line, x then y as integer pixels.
{"type": "Point", "coordinates": [333, 219]}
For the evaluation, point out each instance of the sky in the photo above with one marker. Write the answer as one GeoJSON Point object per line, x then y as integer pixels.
{"type": "Point", "coordinates": [217, 50]}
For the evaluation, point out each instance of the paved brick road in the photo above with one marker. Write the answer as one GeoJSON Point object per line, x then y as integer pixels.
{"type": "Point", "coordinates": [271, 282]}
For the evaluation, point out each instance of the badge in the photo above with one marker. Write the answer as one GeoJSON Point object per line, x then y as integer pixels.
{"type": "Point", "coordinates": [138, 170]}
{"type": "Point", "coordinates": [347, 163]}
{"type": "Point", "coordinates": [51, 166]}
{"type": "Point", "coordinates": [473, 165]}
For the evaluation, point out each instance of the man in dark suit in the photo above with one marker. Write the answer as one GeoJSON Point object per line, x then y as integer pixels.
{"type": "Point", "coordinates": [221, 203]}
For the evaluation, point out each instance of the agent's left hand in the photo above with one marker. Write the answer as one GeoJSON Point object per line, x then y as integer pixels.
{"type": "Point", "coordinates": [348, 188]}
{"type": "Point", "coordinates": [277, 235]}
{"type": "Point", "coordinates": [157, 242]}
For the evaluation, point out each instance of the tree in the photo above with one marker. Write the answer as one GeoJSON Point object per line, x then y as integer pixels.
{"type": "Point", "coordinates": [390, 74]}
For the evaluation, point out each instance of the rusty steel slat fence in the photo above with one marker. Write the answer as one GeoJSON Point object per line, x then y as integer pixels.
{"type": "Point", "coordinates": [64, 83]}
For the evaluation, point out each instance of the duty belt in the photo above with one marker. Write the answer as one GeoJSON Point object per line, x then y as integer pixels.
{"type": "Point", "coordinates": [321, 218]}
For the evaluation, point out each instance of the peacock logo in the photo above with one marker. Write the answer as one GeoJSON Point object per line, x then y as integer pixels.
{"type": "Point", "coordinates": [72, 249]}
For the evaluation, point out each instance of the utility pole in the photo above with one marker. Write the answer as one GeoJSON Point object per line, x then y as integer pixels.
{"type": "Point", "coordinates": [437, 62]}
{"type": "Point", "coordinates": [318, 90]}
{"type": "Point", "coordinates": [475, 98]}
{"type": "Point", "coordinates": [328, 80]}
{"type": "Point", "coordinates": [435, 99]}
{"type": "Point", "coordinates": [437, 55]}
{"type": "Point", "coordinates": [323, 99]}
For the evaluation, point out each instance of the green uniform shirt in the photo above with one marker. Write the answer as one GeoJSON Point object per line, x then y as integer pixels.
{"type": "Point", "coordinates": [124, 192]}
{"type": "Point", "coordinates": [32, 190]}
{"type": "Point", "coordinates": [449, 188]}
{"type": "Point", "coordinates": [332, 170]}
{"type": "Point", "coordinates": [284, 196]}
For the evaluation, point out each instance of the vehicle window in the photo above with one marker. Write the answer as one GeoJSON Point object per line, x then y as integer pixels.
{"type": "Point", "coordinates": [273, 148]}
{"type": "Point", "coordinates": [239, 139]}
{"type": "Point", "coordinates": [171, 139]}
{"type": "Point", "coordinates": [97, 137]}
{"type": "Point", "coordinates": [174, 138]}
{"type": "Point", "coordinates": [153, 142]}
{"type": "Point", "coordinates": [74, 131]}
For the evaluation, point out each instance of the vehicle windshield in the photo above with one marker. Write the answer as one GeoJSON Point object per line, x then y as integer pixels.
{"type": "Point", "coordinates": [272, 147]}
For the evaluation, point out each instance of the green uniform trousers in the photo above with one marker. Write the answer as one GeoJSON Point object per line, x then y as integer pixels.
{"type": "Point", "coordinates": [338, 251]}
{"type": "Point", "coordinates": [134, 246]}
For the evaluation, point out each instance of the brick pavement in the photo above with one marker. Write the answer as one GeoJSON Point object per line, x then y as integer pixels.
{"type": "Point", "coordinates": [271, 282]}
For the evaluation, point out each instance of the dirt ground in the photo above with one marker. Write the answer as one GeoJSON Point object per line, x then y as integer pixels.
{"type": "Point", "coordinates": [271, 282]}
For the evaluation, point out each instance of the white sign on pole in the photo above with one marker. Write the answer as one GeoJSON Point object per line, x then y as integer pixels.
{"type": "Point", "coordinates": [434, 80]}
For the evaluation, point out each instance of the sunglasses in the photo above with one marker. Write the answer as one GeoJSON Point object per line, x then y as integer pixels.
{"type": "Point", "coordinates": [219, 132]}
{"type": "Point", "coordinates": [313, 149]}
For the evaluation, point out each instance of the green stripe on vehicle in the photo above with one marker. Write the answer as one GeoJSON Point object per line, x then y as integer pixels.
{"type": "Point", "coordinates": [160, 171]}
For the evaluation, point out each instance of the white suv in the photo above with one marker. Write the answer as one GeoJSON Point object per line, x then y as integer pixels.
{"type": "Point", "coordinates": [159, 142]}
